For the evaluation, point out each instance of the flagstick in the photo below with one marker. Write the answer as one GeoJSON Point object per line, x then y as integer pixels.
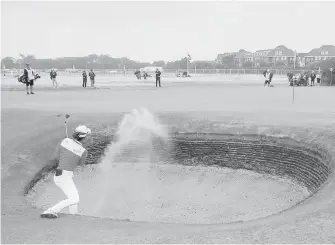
{"type": "Point", "coordinates": [295, 58]}
{"type": "Point", "coordinates": [187, 66]}
{"type": "Point", "coordinates": [293, 88]}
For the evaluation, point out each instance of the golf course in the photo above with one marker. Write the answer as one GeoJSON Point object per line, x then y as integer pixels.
{"type": "Point", "coordinates": [241, 163]}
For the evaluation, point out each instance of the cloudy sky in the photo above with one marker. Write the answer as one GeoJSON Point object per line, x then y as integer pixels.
{"type": "Point", "coordinates": [148, 31]}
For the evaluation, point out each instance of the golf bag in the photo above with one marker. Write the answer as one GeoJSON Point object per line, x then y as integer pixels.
{"type": "Point", "coordinates": [22, 79]}
{"type": "Point", "coordinates": [138, 74]}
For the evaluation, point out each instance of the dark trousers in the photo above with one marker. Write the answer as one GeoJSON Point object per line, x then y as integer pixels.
{"type": "Point", "coordinates": [84, 82]}
{"type": "Point", "coordinates": [267, 82]}
{"type": "Point", "coordinates": [158, 80]}
{"type": "Point", "coordinates": [312, 82]}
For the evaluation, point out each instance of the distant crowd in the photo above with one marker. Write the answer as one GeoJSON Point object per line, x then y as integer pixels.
{"type": "Point", "coordinates": [304, 79]}
{"type": "Point", "coordinates": [145, 74]}
{"type": "Point", "coordinates": [307, 78]}
{"type": "Point", "coordinates": [29, 77]}
{"type": "Point", "coordinates": [91, 74]}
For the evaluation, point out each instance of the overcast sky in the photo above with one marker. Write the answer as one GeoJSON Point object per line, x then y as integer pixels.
{"type": "Point", "coordinates": [148, 31]}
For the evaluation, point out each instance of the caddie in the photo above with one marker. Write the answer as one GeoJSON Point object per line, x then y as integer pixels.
{"type": "Point", "coordinates": [69, 153]}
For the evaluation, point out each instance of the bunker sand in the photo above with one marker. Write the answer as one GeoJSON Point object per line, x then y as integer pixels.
{"type": "Point", "coordinates": [30, 130]}
{"type": "Point", "coordinates": [176, 194]}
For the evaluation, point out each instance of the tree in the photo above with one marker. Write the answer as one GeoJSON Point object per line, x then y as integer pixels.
{"type": "Point", "coordinates": [104, 61]}
{"type": "Point", "coordinates": [160, 63]}
{"type": "Point", "coordinates": [8, 62]}
{"type": "Point", "coordinates": [29, 59]}
{"type": "Point", "coordinates": [228, 61]}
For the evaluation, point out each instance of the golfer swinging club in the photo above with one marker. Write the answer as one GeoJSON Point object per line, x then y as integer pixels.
{"type": "Point", "coordinates": [69, 153]}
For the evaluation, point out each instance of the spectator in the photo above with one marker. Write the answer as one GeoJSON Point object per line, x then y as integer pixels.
{"type": "Point", "coordinates": [29, 78]}
{"type": "Point", "coordinates": [318, 78]}
{"type": "Point", "coordinates": [84, 78]}
{"type": "Point", "coordinates": [158, 77]}
{"type": "Point", "coordinates": [313, 76]}
{"type": "Point", "coordinates": [92, 78]}
{"type": "Point", "coordinates": [53, 75]}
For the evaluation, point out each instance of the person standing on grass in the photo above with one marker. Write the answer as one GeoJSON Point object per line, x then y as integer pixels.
{"type": "Point", "coordinates": [69, 154]}
{"type": "Point", "coordinates": [268, 77]}
{"type": "Point", "coordinates": [84, 78]}
{"type": "Point", "coordinates": [318, 78]}
{"type": "Point", "coordinates": [29, 78]}
{"type": "Point", "coordinates": [313, 76]}
{"type": "Point", "coordinates": [53, 75]}
{"type": "Point", "coordinates": [145, 75]}
{"type": "Point", "coordinates": [158, 77]}
{"type": "Point", "coordinates": [92, 78]}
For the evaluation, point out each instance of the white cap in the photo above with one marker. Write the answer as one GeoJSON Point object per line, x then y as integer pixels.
{"type": "Point", "coordinates": [83, 131]}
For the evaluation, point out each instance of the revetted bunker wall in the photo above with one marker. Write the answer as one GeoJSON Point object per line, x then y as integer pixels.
{"type": "Point", "coordinates": [283, 157]}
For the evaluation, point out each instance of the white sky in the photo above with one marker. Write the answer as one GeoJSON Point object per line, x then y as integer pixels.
{"type": "Point", "coordinates": [148, 31]}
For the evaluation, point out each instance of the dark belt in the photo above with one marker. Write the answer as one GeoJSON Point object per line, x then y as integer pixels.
{"type": "Point", "coordinates": [59, 172]}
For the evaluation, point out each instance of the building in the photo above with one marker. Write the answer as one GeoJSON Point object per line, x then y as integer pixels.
{"type": "Point", "coordinates": [325, 52]}
{"type": "Point", "coordinates": [223, 58]}
{"type": "Point", "coordinates": [260, 56]}
{"type": "Point", "coordinates": [301, 59]}
{"type": "Point", "coordinates": [281, 55]}
{"type": "Point", "coordinates": [241, 57]}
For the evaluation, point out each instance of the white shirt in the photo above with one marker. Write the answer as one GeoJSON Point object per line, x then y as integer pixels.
{"type": "Point", "coordinates": [30, 74]}
{"type": "Point", "coordinates": [267, 75]}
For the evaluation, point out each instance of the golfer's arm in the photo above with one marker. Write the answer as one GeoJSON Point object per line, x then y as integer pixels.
{"type": "Point", "coordinates": [83, 158]}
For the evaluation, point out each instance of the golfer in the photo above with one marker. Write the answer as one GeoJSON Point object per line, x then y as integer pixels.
{"type": "Point", "coordinates": [268, 76]}
{"type": "Point", "coordinates": [69, 153]}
